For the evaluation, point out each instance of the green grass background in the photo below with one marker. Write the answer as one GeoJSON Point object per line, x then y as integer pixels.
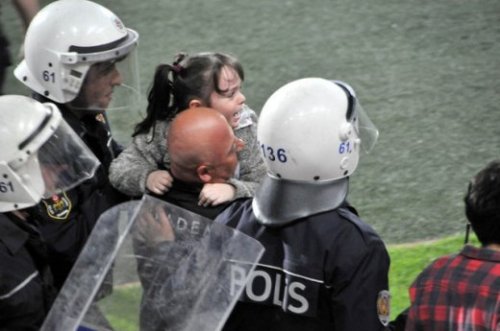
{"type": "Point", "coordinates": [427, 73]}
{"type": "Point", "coordinates": [407, 261]}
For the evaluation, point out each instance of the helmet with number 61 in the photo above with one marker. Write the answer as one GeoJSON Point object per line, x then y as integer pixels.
{"type": "Point", "coordinates": [71, 44]}
{"type": "Point", "coordinates": [40, 155]}
{"type": "Point", "coordinates": [311, 132]}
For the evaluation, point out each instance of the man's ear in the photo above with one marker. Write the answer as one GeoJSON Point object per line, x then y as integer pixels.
{"type": "Point", "coordinates": [203, 172]}
{"type": "Point", "coordinates": [195, 103]}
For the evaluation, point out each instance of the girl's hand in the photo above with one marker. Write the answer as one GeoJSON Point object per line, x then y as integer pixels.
{"type": "Point", "coordinates": [214, 194]}
{"type": "Point", "coordinates": [159, 181]}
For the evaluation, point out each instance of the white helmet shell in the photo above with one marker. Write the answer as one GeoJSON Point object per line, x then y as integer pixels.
{"type": "Point", "coordinates": [310, 132]}
{"type": "Point", "coordinates": [40, 154]}
{"type": "Point", "coordinates": [63, 40]}
{"type": "Point", "coordinates": [307, 131]}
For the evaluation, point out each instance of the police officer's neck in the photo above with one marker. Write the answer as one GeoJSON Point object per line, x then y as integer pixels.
{"type": "Point", "coordinates": [77, 111]}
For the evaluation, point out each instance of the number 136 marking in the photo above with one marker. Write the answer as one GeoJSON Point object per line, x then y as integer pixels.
{"type": "Point", "coordinates": [274, 154]}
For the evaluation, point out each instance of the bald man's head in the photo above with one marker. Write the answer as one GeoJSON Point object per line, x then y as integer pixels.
{"type": "Point", "coordinates": [202, 146]}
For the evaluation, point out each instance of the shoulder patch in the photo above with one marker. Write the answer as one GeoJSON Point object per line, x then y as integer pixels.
{"type": "Point", "coordinates": [384, 307]}
{"type": "Point", "coordinates": [58, 206]}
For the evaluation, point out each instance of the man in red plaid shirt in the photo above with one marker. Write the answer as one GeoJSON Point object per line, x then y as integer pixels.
{"type": "Point", "coordinates": [462, 291]}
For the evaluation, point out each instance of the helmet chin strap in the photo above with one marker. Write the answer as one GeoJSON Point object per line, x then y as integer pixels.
{"type": "Point", "coordinates": [81, 111]}
{"type": "Point", "coordinates": [21, 214]}
{"type": "Point", "coordinates": [278, 202]}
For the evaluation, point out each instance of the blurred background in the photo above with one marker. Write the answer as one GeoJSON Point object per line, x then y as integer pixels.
{"type": "Point", "coordinates": [426, 72]}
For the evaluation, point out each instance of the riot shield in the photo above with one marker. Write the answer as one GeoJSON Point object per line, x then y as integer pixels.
{"type": "Point", "coordinates": [150, 265]}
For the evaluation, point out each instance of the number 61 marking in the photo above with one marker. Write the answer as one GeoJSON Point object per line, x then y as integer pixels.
{"type": "Point", "coordinates": [344, 147]}
{"type": "Point", "coordinates": [6, 187]}
{"type": "Point", "coordinates": [49, 76]}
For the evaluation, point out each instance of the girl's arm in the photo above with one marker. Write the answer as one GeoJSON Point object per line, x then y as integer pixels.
{"type": "Point", "coordinates": [251, 166]}
{"type": "Point", "coordinates": [128, 173]}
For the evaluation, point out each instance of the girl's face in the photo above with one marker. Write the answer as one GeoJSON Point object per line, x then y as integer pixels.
{"type": "Point", "coordinates": [230, 102]}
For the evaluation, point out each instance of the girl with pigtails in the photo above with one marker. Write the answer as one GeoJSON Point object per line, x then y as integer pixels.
{"type": "Point", "coordinates": [201, 80]}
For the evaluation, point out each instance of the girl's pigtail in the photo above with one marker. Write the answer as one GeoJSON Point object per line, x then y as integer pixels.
{"type": "Point", "coordinates": [159, 100]}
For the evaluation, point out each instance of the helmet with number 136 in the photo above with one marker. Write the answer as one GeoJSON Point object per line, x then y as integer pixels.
{"type": "Point", "coordinates": [311, 132]}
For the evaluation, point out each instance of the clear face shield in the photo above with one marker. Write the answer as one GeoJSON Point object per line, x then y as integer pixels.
{"type": "Point", "coordinates": [65, 161]}
{"type": "Point", "coordinates": [111, 82]}
{"type": "Point", "coordinates": [48, 161]}
{"type": "Point", "coordinates": [365, 129]}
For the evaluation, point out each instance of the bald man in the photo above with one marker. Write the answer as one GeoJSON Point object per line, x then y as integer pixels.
{"type": "Point", "coordinates": [203, 149]}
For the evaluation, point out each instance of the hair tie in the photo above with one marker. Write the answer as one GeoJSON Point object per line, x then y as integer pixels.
{"type": "Point", "coordinates": [177, 68]}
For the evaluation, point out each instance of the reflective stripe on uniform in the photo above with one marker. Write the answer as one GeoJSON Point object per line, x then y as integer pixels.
{"type": "Point", "coordinates": [20, 286]}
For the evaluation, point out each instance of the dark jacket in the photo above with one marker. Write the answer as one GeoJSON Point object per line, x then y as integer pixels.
{"type": "Point", "coordinates": [67, 219]}
{"type": "Point", "coordinates": [186, 195]}
{"type": "Point", "coordinates": [327, 271]}
{"type": "Point", "coordinates": [153, 277]}
{"type": "Point", "coordinates": [26, 287]}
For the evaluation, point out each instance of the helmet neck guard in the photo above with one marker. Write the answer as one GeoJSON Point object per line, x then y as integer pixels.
{"type": "Point", "coordinates": [279, 202]}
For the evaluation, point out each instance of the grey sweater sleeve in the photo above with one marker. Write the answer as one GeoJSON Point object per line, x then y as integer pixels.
{"type": "Point", "coordinates": [129, 171]}
{"type": "Point", "coordinates": [147, 152]}
{"type": "Point", "coordinates": [252, 167]}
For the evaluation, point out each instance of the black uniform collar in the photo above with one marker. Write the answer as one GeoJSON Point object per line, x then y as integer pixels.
{"type": "Point", "coordinates": [82, 122]}
{"type": "Point", "coordinates": [12, 232]}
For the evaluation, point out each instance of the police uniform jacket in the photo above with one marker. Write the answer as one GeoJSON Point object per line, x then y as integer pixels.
{"type": "Point", "coordinates": [327, 271]}
{"type": "Point", "coordinates": [26, 291]}
{"type": "Point", "coordinates": [67, 219]}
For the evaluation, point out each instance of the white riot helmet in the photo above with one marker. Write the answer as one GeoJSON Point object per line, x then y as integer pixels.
{"type": "Point", "coordinates": [65, 39]}
{"type": "Point", "coordinates": [311, 132]}
{"type": "Point", "coordinates": [40, 155]}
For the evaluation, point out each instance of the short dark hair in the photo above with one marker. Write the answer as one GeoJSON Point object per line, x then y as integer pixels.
{"type": "Point", "coordinates": [482, 204]}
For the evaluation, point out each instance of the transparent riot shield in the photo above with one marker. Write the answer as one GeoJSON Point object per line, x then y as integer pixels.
{"type": "Point", "coordinates": [150, 265]}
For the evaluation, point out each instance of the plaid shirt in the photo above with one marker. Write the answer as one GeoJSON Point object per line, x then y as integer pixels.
{"type": "Point", "coordinates": [459, 292]}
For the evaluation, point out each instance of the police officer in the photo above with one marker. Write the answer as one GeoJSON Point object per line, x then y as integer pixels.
{"type": "Point", "coordinates": [323, 268]}
{"type": "Point", "coordinates": [40, 156]}
{"type": "Point", "coordinates": [79, 55]}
